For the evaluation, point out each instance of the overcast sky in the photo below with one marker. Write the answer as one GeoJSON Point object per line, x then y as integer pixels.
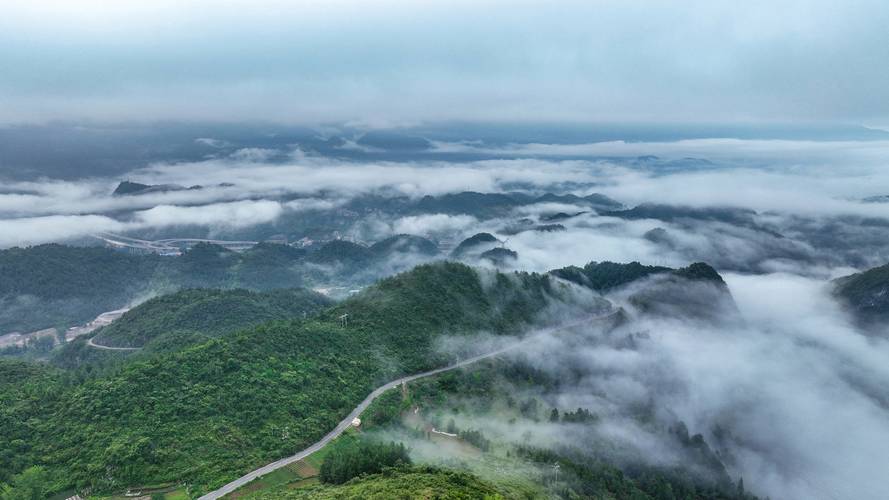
{"type": "Point", "coordinates": [394, 62]}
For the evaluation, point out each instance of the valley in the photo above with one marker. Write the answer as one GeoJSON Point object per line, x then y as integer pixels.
{"type": "Point", "coordinates": [192, 364]}
{"type": "Point", "coordinates": [444, 250]}
{"type": "Point", "coordinates": [201, 340]}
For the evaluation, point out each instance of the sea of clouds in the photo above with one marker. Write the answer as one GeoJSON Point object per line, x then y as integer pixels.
{"type": "Point", "coordinates": [803, 392]}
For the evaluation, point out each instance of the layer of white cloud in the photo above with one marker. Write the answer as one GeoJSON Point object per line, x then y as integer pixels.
{"type": "Point", "coordinates": [234, 214]}
{"type": "Point", "coordinates": [59, 228]}
{"type": "Point", "coordinates": [799, 393]}
{"type": "Point", "coordinates": [793, 179]}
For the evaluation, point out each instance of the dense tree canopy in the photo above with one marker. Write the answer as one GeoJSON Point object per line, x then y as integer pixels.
{"type": "Point", "coordinates": [354, 458]}
{"type": "Point", "coordinates": [210, 412]}
{"type": "Point", "coordinates": [416, 482]}
{"type": "Point", "coordinates": [213, 312]}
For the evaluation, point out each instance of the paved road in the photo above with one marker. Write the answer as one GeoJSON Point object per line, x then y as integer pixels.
{"type": "Point", "coordinates": [166, 245]}
{"type": "Point", "coordinates": [109, 348]}
{"type": "Point", "coordinates": [104, 319]}
{"type": "Point", "coordinates": [346, 422]}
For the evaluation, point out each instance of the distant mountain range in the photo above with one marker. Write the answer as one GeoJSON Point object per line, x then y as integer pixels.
{"type": "Point", "coordinates": [203, 407]}
{"type": "Point", "coordinates": [94, 150]}
{"type": "Point", "coordinates": [212, 391]}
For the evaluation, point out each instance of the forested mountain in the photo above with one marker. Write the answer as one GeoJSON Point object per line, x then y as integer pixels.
{"type": "Point", "coordinates": [478, 402]}
{"type": "Point", "coordinates": [53, 285]}
{"type": "Point", "coordinates": [475, 244]}
{"type": "Point", "coordinates": [866, 296]}
{"type": "Point", "coordinates": [59, 286]}
{"type": "Point", "coordinates": [50, 285]}
{"type": "Point", "coordinates": [447, 298]}
{"type": "Point", "coordinates": [695, 291]}
{"type": "Point", "coordinates": [737, 216]}
{"type": "Point", "coordinates": [210, 412]}
{"type": "Point", "coordinates": [444, 250]}
{"type": "Point", "coordinates": [211, 312]}
{"type": "Point", "coordinates": [486, 205]}
{"type": "Point", "coordinates": [202, 414]}
{"type": "Point", "coordinates": [604, 276]}
{"type": "Point", "coordinates": [180, 320]}
{"type": "Point", "coordinates": [202, 410]}
{"type": "Point", "coordinates": [468, 202]}
{"type": "Point", "coordinates": [499, 256]}
{"type": "Point", "coordinates": [351, 254]}
{"type": "Point", "coordinates": [341, 252]}
{"type": "Point", "coordinates": [403, 243]}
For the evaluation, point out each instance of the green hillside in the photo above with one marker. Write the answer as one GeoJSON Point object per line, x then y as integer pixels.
{"type": "Point", "coordinates": [49, 285]}
{"type": "Point", "coordinates": [211, 412]}
{"type": "Point", "coordinates": [602, 276]}
{"type": "Point", "coordinates": [355, 257]}
{"type": "Point", "coordinates": [406, 483]}
{"type": "Point", "coordinates": [475, 243]}
{"type": "Point", "coordinates": [59, 286]}
{"type": "Point", "coordinates": [503, 392]}
{"type": "Point", "coordinates": [341, 252]}
{"type": "Point", "coordinates": [403, 243]}
{"type": "Point", "coordinates": [24, 388]}
{"type": "Point", "coordinates": [204, 411]}
{"type": "Point", "coordinates": [499, 256]}
{"type": "Point", "coordinates": [398, 313]}
{"type": "Point", "coordinates": [183, 319]}
{"type": "Point", "coordinates": [212, 312]}
{"type": "Point", "coordinates": [696, 291]}
{"type": "Point", "coordinates": [56, 285]}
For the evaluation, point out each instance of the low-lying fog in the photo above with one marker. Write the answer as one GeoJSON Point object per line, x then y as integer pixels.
{"type": "Point", "coordinates": [816, 205]}
{"type": "Point", "coordinates": [803, 394]}
{"type": "Point", "coordinates": [790, 395]}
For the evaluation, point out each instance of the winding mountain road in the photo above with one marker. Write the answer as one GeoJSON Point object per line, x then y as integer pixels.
{"type": "Point", "coordinates": [346, 422]}
{"type": "Point", "coordinates": [108, 347]}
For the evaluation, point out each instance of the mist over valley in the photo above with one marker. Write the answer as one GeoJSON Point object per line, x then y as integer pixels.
{"type": "Point", "coordinates": [588, 250]}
